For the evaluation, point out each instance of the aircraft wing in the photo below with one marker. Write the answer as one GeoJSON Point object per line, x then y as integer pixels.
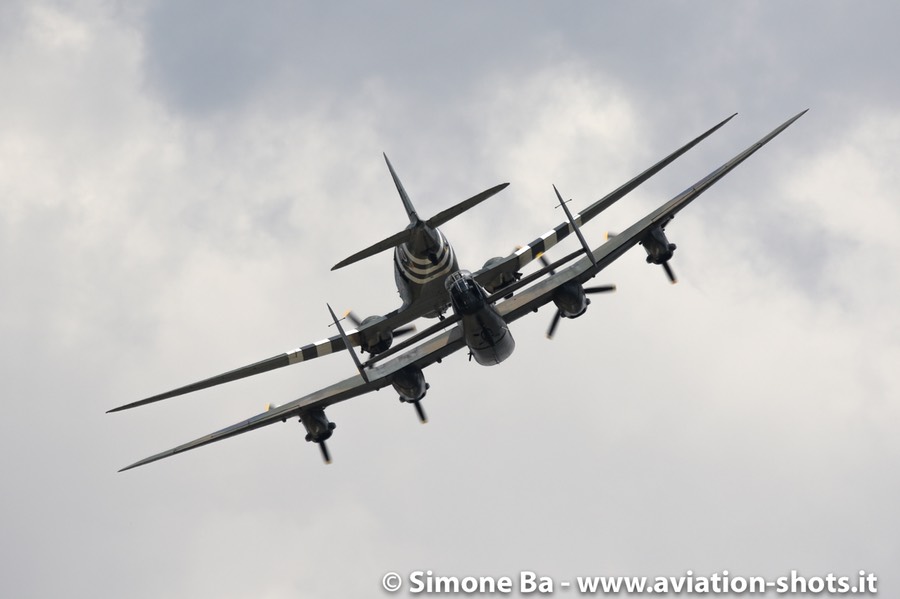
{"type": "Point", "coordinates": [521, 257]}
{"type": "Point", "coordinates": [423, 355]}
{"type": "Point", "coordinates": [584, 269]}
{"type": "Point", "coordinates": [304, 353]}
{"type": "Point", "coordinates": [398, 318]}
{"type": "Point", "coordinates": [451, 340]}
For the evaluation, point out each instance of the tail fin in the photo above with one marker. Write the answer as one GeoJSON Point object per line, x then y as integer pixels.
{"type": "Point", "coordinates": [415, 222]}
{"type": "Point", "coordinates": [407, 203]}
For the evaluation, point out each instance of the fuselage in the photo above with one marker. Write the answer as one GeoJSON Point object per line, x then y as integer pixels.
{"type": "Point", "coordinates": [420, 268]}
{"type": "Point", "coordinates": [486, 333]}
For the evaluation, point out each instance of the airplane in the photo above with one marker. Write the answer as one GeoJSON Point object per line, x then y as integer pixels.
{"type": "Point", "coordinates": [480, 320]}
{"type": "Point", "coordinates": [423, 257]}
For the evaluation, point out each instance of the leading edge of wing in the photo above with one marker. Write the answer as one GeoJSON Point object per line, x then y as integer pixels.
{"type": "Point", "coordinates": [305, 353]}
{"type": "Point", "coordinates": [584, 269]}
{"type": "Point", "coordinates": [380, 376]}
{"type": "Point", "coordinates": [526, 254]}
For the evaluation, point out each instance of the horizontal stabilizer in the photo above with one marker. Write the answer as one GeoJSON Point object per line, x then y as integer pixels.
{"type": "Point", "coordinates": [434, 222]}
{"type": "Point", "coordinates": [385, 244]}
{"type": "Point", "coordinates": [441, 217]}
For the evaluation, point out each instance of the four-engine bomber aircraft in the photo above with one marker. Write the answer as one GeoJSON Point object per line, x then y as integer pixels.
{"type": "Point", "coordinates": [480, 320]}
{"type": "Point", "coordinates": [422, 260]}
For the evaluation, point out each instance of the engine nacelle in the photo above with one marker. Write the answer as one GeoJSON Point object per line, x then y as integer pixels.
{"type": "Point", "coordinates": [318, 427]}
{"type": "Point", "coordinates": [375, 342]}
{"type": "Point", "coordinates": [503, 279]}
{"type": "Point", "coordinates": [570, 299]}
{"type": "Point", "coordinates": [410, 383]}
{"type": "Point", "coordinates": [659, 250]}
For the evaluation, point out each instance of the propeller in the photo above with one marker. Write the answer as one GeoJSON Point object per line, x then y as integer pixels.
{"type": "Point", "coordinates": [545, 262]}
{"type": "Point", "coordinates": [669, 272]}
{"type": "Point", "coordinates": [420, 411]}
{"type": "Point", "coordinates": [404, 330]}
{"type": "Point", "coordinates": [553, 323]}
{"type": "Point", "coordinates": [325, 455]}
{"type": "Point", "coordinates": [599, 289]}
{"type": "Point", "coordinates": [587, 291]}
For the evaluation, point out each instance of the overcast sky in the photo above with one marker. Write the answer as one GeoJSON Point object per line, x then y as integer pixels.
{"type": "Point", "coordinates": [177, 179]}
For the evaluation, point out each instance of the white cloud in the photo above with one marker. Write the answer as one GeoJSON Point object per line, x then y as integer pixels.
{"type": "Point", "coordinates": [740, 419]}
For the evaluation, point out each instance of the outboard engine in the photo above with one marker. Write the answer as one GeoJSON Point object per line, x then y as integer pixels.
{"type": "Point", "coordinates": [659, 250]}
{"type": "Point", "coordinates": [318, 430]}
{"type": "Point", "coordinates": [410, 383]}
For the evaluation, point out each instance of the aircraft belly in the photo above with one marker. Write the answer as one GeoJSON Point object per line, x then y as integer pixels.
{"type": "Point", "coordinates": [489, 339]}
{"type": "Point", "coordinates": [424, 286]}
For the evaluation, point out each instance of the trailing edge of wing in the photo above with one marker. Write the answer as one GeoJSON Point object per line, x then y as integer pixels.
{"type": "Point", "coordinates": [333, 344]}
{"type": "Point", "coordinates": [451, 340]}
{"type": "Point", "coordinates": [226, 377]}
{"type": "Point", "coordinates": [423, 355]}
{"type": "Point", "coordinates": [534, 249]}
{"type": "Point", "coordinates": [583, 270]}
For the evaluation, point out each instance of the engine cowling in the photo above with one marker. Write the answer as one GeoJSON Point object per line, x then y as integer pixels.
{"type": "Point", "coordinates": [502, 280]}
{"type": "Point", "coordinates": [570, 299]}
{"type": "Point", "coordinates": [375, 340]}
{"type": "Point", "coordinates": [410, 383]}
{"type": "Point", "coordinates": [657, 246]}
{"type": "Point", "coordinates": [318, 427]}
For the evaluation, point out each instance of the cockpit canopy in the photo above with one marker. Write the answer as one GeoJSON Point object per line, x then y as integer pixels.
{"type": "Point", "coordinates": [466, 295]}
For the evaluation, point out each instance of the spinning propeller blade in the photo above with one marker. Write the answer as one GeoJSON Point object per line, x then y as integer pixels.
{"type": "Point", "coordinates": [420, 411]}
{"type": "Point", "coordinates": [325, 455]}
{"type": "Point", "coordinates": [669, 272]}
{"type": "Point", "coordinates": [553, 324]}
{"type": "Point", "coordinates": [599, 289]}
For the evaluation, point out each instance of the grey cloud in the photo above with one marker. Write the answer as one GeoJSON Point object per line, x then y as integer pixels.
{"type": "Point", "coordinates": [177, 182]}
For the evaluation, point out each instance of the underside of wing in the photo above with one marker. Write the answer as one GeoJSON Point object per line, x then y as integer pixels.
{"type": "Point", "coordinates": [420, 357]}
{"type": "Point", "coordinates": [585, 268]}
{"type": "Point", "coordinates": [333, 344]}
{"type": "Point", "coordinates": [489, 276]}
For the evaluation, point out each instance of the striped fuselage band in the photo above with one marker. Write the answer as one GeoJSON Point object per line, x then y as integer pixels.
{"type": "Point", "coordinates": [420, 269]}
